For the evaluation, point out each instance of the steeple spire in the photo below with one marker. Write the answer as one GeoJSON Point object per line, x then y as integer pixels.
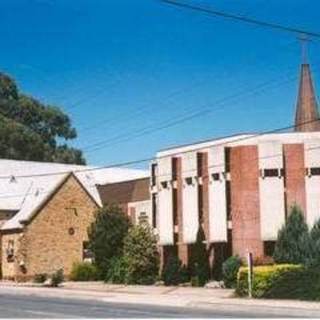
{"type": "Point", "coordinates": [307, 109]}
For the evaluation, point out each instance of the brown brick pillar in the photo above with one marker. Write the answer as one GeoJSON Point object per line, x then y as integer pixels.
{"type": "Point", "coordinates": [245, 211]}
{"type": "Point", "coordinates": [182, 248]}
{"type": "Point", "coordinates": [295, 176]}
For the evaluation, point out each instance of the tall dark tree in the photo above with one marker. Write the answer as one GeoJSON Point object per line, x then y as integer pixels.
{"type": "Point", "coordinates": [315, 245]}
{"type": "Point", "coordinates": [31, 130]}
{"type": "Point", "coordinates": [106, 236]}
{"type": "Point", "coordinates": [293, 243]}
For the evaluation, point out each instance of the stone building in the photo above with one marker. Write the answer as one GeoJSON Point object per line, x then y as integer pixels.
{"type": "Point", "coordinates": [238, 190]}
{"type": "Point", "coordinates": [45, 210]}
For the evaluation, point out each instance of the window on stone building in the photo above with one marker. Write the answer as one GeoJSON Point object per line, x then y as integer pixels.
{"type": "Point", "coordinates": [10, 251]}
{"type": "Point", "coordinates": [87, 254]}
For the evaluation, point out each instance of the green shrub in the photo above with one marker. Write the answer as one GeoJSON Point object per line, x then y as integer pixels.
{"type": "Point", "coordinates": [230, 270]}
{"type": "Point", "coordinates": [314, 258]}
{"type": "Point", "coordinates": [264, 278]}
{"type": "Point", "coordinates": [57, 278]}
{"type": "Point", "coordinates": [84, 271]}
{"type": "Point", "coordinates": [293, 243]}
{"type": "Point", "coordinates": [117, 271]}
{"type": "Point", "coordinates": [174, 272]}
{"type": "Point", "coordinates": [199, 261]}
{"type": "Point", "coordinates": [106, 235]}
{"type": "Point", "coordinates": [300, 284]}
{"type": "Point", "coordinates": [141, 255]}
{"type": "Point", "coordinates": [40, 278]}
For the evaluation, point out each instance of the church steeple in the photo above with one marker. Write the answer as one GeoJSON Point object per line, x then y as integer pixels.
{"type": "Point", "coordinates": [307, 109]}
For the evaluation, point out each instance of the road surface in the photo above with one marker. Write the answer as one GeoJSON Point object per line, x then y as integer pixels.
{"type": "Point", "coordinates": [30, 306]}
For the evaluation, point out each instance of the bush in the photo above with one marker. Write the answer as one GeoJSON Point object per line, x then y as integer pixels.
{"type": "Point", "coordinates": [174, 272]}
{"type": "Point", "coordinates": [230, 270]}
{"type": "Point", "coordinates": [141, 255]}
{"type": "Point", "coordinates": [314, 258]}
{"type": "Point", "coordinates": [293, 244]}
{"type": "Point", "coordinates": [264, 278]}
{"type": "Point", "coordinates": [57, 278]}
{"type": "Point", "coordinates": [117, 271]}
{"type": "Point", "coordinates": [106, 236]}
{"type": "Point", "coordinates": [84, 271]}
{"type": "Point", "coordinates": [300, 284]}
{"type": "Point", "coordinates": [199, 261]}
{"type": "Point", "coordinates": [40, 278]}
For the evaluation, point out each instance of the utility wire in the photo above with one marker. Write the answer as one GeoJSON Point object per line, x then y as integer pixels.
{"type": "Point", "coordinates": [241, 18]}
{"type": "Point", "coordinates": [128, 163]}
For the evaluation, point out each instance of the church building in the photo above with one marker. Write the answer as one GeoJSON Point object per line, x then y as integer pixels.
{"type": "Point", "coordinates": [236, 192]}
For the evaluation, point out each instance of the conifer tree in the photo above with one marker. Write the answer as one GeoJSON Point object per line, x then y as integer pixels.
{"type": "Point", "coordinates": [293, 244]}
{"type": "Point", "coordinates": [315, 245]}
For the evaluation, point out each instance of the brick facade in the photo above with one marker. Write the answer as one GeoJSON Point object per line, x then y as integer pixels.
{"type": "Point", "coordinates": [244, 172]}
{"type": "Point", "coordinates": [295, 176]}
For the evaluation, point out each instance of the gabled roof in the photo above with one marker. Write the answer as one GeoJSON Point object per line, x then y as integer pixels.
{"type": "Point", "coordinates": [24, 194]}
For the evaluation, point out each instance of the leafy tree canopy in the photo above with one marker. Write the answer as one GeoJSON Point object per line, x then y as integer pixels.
{"type": "Point", "coordinates": [30, 130]}
{"type": "Point", "coordinates": [106, 236]}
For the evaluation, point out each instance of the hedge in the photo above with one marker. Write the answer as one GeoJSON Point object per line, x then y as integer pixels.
{"type": "Point", "coordinates": [83, 271]}
{"type": "Point", "coordinates": [265, 279]}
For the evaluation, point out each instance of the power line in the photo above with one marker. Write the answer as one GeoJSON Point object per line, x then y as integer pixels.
{"type": "Point", "coordinates": [242, 18]}
{"type": "Point", "coordinates": [167, 174]}
{"type": "Point", "coordinates": [193, 113]}
{"type": "Point", "coordinates": [128, 163]}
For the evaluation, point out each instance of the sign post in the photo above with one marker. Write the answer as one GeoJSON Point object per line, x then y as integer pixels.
{"type": "Point", "coordinates": [250, 273]}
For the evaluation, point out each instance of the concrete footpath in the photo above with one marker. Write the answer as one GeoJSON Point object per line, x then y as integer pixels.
{"type": "Point", "coordinates": [161, 296]}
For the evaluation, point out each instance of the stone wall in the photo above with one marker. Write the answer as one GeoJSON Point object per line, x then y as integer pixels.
{"type": "Point", "coordinates": [54, 238]}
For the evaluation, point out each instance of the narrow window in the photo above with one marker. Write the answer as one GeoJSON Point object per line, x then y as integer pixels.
{"type": "Point", "coordinates": [200, 164]}
{"type": "Point", "coordinates": [154, 210]}
{"type": "Point", "coordinates": [174, 168]}
{"type": "Point", "coordinates": [228, 199]}
{"type": "Point", "coordinates": [10, 251]}
{"type": "Point", "coordinates": [227, 159]}
{"type": "Point", "coordinates": [175, 206]}
{"type": "Point", "coordinates": [200, 203]}
{"type": "Point", "coordinates": [86, 252]}
{"type": "Point", "coordinates": [153, 174]}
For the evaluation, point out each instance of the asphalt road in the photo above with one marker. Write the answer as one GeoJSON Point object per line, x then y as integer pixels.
{"type": "Point", "coordinates": [29, 306]}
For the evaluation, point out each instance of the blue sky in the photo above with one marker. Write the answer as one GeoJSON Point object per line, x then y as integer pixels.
{"type": "Point", "coordinates": [121, 68]}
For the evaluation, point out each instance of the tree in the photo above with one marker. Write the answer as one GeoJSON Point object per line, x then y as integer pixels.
{"type": "Point", "coordinates": [314, 259]}
{"type": "Point", "coordinates": [30, 130]}
{"type": "Point", "coordinates": [293, 243]}
{"type": "Point", "coordinates": [174, 272]}
{"type": "Point", "coordinates": [141, 255]}
{"type": "Point", "coordinates": [106, 236]}
{"type": "Point", "coordinates": [199, 261]}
